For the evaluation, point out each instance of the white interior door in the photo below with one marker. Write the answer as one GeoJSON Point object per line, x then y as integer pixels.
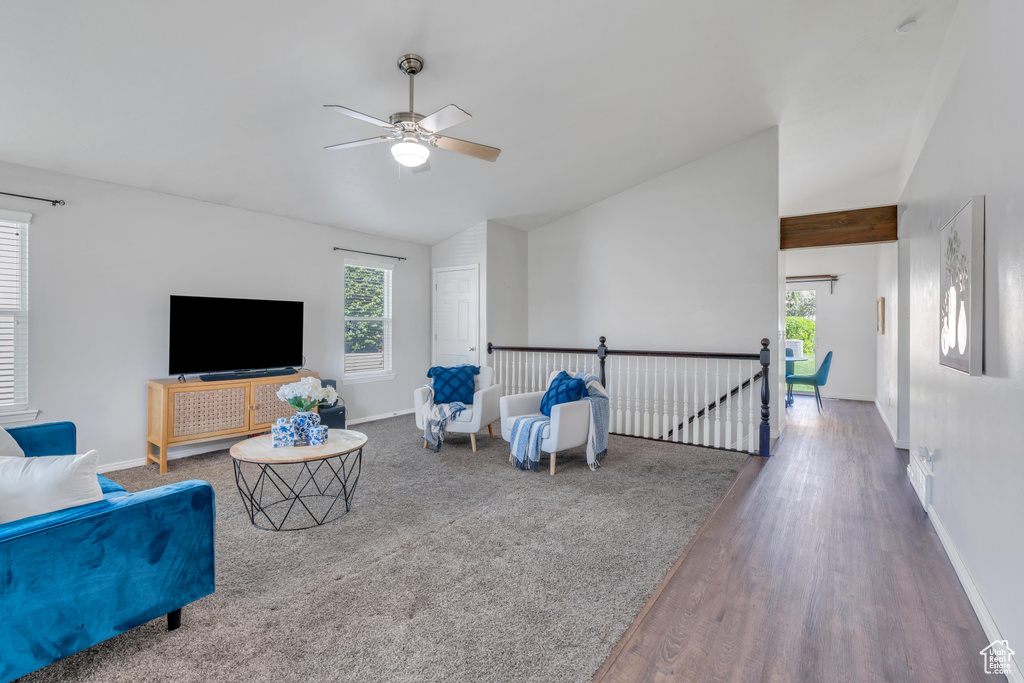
{"type": "Point", "coordinates": [456, 316]}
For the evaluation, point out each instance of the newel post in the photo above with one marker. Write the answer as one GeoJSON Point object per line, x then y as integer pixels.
{"type": "Point", "coordinates": [602, 351]}
{"type": "Point", "coordinates": [765, 435]}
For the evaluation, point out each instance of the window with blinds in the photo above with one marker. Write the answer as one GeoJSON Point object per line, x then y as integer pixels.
{"type": "Point", "coordinates": [367, 321]}
{"type": "Point", "coordinates": [13, 313]}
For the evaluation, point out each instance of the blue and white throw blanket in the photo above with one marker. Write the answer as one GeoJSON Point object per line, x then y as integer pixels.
{"type": "Point", "coordinates": [528, 431]}
{"type": "Point", "coordinates": [436, 417]}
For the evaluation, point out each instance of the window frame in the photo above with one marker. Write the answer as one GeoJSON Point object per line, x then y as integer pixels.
{"type": "Point", "coordinates": [388, 372]}
{"type": "Point", "coordinates": [17, 409]}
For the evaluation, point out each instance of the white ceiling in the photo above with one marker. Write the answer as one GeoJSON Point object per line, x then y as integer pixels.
{"type": "Point", "coordinates": [221, 101]}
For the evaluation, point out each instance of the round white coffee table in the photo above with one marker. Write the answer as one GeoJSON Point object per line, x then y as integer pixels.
{"type": "Point", "coordinates": [298, 487]}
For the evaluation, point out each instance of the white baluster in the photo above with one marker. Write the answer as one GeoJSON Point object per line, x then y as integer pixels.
{"type": "Point", "coordinates": [706, 402]}
{"type": "Point", "coordinates": [718, 412]}
{"type": "Point", "coordinates": [750, 408]}
{"type": "Point", "coordinates": [618, 394]}
{"type": "Point", "coordinates": [647, 395]}
{"type": "Point", "coordinates": [664, 404]}
{"type": "Point", "coordinates": [675, 398]}
{"type": "Point", "coordinates": [636, 398]}
{"type": "Point", "coordinates": [628, 427]}
{"type": "Point", "coordinates": [728, 404]}
{"type": "Point", "coordinates": [656, 432]}
{"type": "Point", "coordinates": [739, 406]}
{"type": "Point", "coordinates": [686, 407]}
{"type": "Point", "coordinates": [520, 387]}
{"type": "Point", "coordinates": [696, 403]}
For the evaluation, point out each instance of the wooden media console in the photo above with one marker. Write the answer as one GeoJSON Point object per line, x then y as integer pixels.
{"type": "Point", "coordinates": [182, 413]}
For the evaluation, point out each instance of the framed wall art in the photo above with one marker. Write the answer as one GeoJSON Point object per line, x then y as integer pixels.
{"type": "Point", "coordinates": [962, 288]}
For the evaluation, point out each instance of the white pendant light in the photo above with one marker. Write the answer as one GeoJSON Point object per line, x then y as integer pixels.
{"type": "Point", "coordinates": [409, 153]}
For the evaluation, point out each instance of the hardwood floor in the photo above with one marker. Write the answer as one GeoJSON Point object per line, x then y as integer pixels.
{"type": "Point", "coordinates": [818, 564]}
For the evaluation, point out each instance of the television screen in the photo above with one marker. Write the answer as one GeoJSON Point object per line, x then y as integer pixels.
{"type": "Point", "coordinates": [218, 335]}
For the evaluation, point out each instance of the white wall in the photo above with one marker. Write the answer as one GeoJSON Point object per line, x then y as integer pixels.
{"type": "Point", "coordinates": [500, 252]}
{"type": "Point", "coordinates": [507, 318]}
{"type": "Point", "coordinates": [887, 372]}
{"type": "Point", "coordinates": [686, 261]}
{"type": "Point", "coordinates": [976, 146]}
{"type": "Point", "coordinates": [467, 248]}
{"type": "Point", "coordinates": [845, 321]}
{"type": "Point", "coordinates": [103, 267]}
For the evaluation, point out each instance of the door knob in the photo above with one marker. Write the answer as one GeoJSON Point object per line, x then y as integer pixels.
{"type": "Point", "coordinates": [472, 348]}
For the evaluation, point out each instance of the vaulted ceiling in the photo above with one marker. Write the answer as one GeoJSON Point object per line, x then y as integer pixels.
{"type": "Point", "coordinates": [221, 101]}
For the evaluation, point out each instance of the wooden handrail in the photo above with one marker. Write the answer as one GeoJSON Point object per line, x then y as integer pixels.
{"type": "Point", "coordinates": [629, 352]}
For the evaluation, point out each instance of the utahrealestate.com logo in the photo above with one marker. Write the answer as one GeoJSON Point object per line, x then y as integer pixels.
{"type": "Point", "coordinates": [997, 657]}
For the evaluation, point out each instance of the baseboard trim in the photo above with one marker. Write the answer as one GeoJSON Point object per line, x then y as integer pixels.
{"type": "Point", "coordinates": [173, 453]}
{"type": "Point", "coordinates": [848, 397]}
{"type": "Point", "coordinates": [176, 452]}
{"type": "Point", "coordinates": [988, 624]}
{"type": "Point", "coordinates": [885, 421]}
{"type": "Point", "coordinates": [382, 416]}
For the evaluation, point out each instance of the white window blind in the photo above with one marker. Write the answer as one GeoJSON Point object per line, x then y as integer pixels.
{"type": "Point", "coordinates": [368, 336]}
{"type": "Point", "coordinates": [13, 310]}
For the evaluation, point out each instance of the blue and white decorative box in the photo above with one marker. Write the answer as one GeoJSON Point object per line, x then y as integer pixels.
{"type": "Point", "coordinates": [283, 433]}
{"type": "Point", "coordinates": [317, 435]}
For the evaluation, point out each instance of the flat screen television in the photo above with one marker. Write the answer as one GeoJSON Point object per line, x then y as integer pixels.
{"type": "Point", "coordinates": [211, 334]}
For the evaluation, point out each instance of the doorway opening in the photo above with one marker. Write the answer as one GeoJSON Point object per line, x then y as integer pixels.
{"type": "Point", "coordinates": [801, 334]}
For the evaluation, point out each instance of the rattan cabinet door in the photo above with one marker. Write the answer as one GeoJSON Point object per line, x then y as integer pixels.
{"type": "Point", "coordinates": [267, 407]}
{"type": "Point", "coordinates": [209, 412]}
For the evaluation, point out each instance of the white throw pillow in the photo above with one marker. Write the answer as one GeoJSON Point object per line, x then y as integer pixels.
{"type": "Point", "coordinates": [8, 446]}
{"type": "Point", "coordinates": [34, 486]}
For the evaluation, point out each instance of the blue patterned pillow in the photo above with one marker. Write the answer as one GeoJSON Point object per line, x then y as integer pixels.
{"type": "Point", "coordinates": [454, 384]}
{"type": "Point", "coordinates": [564, 388]}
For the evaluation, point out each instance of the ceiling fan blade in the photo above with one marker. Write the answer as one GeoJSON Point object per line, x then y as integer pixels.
{"type": "Point", "coordinates": [422, 168]}
{"type": "Point", "coordinates": [444, 118]}
{"type": "Point", "coordinates": [462, 147]}
{"type": "Point", "coordinates": [360, 143]}
{"type": "Point", "coordinates": [358, 115]}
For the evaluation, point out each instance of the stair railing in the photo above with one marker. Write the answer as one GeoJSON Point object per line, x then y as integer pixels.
{"type": "Point", "coordinates": [664, 395]}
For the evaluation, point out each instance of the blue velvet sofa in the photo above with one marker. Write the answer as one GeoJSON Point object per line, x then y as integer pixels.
{"type": "Point", "coordinates": [73, 578]}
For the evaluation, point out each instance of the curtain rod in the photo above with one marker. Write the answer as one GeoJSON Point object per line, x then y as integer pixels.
{"type": "Point", "coordinates": [830, 279]}
{"type": "Point", "coordinates": [370, 253]}
{"type": "Point", "coordinates": [53, 202]}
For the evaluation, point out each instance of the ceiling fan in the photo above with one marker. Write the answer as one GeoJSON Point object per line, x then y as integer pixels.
{"type": "Point", "coordinates": [413, 134]}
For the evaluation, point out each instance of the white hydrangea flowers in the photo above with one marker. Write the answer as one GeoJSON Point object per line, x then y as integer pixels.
{"type": "Point", "coordinates": [306, 394]}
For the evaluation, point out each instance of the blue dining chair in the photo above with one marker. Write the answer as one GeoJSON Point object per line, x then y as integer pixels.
{"type": "Point", "coordinates": [816, 380]}
{"type": "Point", "coordinates": [790, 369]}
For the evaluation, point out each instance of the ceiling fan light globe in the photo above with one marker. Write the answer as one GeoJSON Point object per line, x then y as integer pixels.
{"type": "Point", "coordinates": [410, 154]}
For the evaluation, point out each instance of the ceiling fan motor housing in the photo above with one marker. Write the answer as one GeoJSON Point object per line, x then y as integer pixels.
{"type": "Point", "coordinates": [410, 64]}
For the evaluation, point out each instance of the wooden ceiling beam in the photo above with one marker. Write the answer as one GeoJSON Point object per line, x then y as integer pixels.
{"type": "Point", "coordinates": [839, 228]}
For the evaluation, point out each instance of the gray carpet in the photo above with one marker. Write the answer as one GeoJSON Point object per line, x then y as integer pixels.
{"type": "Point", "coordinates": [450, 567]}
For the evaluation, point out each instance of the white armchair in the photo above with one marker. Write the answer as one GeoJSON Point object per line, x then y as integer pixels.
{"type": "Point", "coordinates": [483, 412]}
{"type": "Point", "coordinates": [570, 422]}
